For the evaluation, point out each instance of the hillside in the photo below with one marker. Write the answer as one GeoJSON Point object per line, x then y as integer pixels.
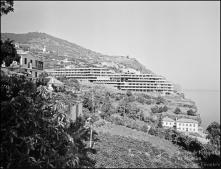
{"type": "Point", "coordinates": [62, 53]}
{"type": "Point", "coordinates": [121, 147]}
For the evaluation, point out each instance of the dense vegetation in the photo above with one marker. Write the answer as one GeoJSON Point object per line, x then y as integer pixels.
{"type": "Point", "coordinates": [208, 154]}
{"type": "Point", "coordinates": [35, 129]}
{"type": "Point", "coordinates": [8, 52]}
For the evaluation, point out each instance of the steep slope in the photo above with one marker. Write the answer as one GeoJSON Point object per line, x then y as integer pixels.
{"type": "Point", "coordinates": [59, 49]}
{"type": "Point", "coordinates": [121, 147]}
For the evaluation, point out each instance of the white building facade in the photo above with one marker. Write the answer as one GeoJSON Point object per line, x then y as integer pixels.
{"type": "Point", "coordinates": [182, 125]}
{"type": "Point", "coordinates": [121, 81]}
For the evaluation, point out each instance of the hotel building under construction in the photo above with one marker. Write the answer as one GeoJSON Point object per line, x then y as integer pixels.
{"type": "Point", "coordinates": [121, 81]}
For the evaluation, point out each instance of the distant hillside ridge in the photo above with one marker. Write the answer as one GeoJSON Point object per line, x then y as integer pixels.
{"type": "Point", "coordinates": [62, 53]}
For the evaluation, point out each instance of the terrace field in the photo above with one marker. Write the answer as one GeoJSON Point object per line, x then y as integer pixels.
{"type": "Point", "coordinates": [122, 147]}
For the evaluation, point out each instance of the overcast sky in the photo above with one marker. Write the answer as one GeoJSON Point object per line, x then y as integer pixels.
{"type": "Point", "coordinates": [179, 40]}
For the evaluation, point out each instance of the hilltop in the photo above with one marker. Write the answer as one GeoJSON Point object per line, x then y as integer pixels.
{"type": "Point", "coordinates": [62, 53]}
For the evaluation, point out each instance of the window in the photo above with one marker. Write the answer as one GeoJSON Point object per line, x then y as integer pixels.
{"type": "Point", "coordinates": [193, 125]}
{"type": "Point", "coordinates": [31, 61]}
{"type": "Point", "coordinates": [186, 129]}
{"type": "Point", "coordinates": [25, 60]}
{"type": "Point", "coordinates": [166, 123]}
{"type": "Point", "coordinates": [36, 74]}
{"type": "Point", "coordinates": [193, 129]}
{"type": "Point", "coordinates": [186, 124]}
{"type": "Point", "coordinates": [190, 124]}
{"type": "Point", "coordinates": [179, 124]}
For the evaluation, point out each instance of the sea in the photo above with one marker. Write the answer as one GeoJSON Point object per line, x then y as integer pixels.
{"type": "Point", "coordinates": [208, 104]}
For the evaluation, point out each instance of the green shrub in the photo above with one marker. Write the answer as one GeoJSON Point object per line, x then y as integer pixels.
{"type": "Point", "coordinates": [160, 100]}
{"type": "Point", "coordinates": [177, 110]}
{"type": "Point", "coordinates": [191, 112]}
{"type": "Point", "coordinates": [140, 99]}
{"type": "Point", "coordinates": [144, 128]}
{"type": "Point", "coordinates": [118, 121]}
{"type": "Point", "coordinates": [157, 109]}
{"type": "Point", "coordinates": [154, 109]}
{"type": "Point", "coordinates": [99, 123]}
{"type": "Point", "coordinates": [129, 93]}
{"type": "Point", "coordinates": [148, 102]}
{"type": "Point", "coordinates": [134, 125]}
{"type": "Point", "coordinates": [153, 131]}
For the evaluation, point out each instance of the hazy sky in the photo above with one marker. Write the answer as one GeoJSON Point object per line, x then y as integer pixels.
{"type": "Point", "coordinates": [179, 40]}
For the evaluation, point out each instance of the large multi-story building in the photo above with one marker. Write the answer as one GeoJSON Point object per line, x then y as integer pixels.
{"type": "Point", "coordinates": [122, 81]}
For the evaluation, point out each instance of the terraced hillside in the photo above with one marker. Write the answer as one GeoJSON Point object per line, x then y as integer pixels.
{"type": "Point", "coordinates": [59, 49]}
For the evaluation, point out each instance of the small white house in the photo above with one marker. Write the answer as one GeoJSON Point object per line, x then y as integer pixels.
{"type": "Point", "coordinates": [168, 122]}
{"type": "Point", "coordinates": [187, 125]}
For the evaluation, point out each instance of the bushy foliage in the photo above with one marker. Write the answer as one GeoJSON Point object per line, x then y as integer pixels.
{"type": "Point", "coordinates": [70, 82]}
{"type": "Point", "coordinates": [8, 52]}
{"type": "Point", "coordinates": [107, 108]}
{"type": "Point", "coordinates": [128, 109]}
{"type": "Point", "coordinates": [214, 133]}
{"type": "Point", "coordinates": [42, 80]}
{"type": "Point", "coordinates": [144, 99]}
{"type": "Point", "coordinates": [209, 154]}
{"type": "Point", "coordinates": [140, 99]}
{"type": "Point", "coordinates": [177, 110]}
{"type": "Point", "coordinates": [6, 6]}
{"type": "Point", "coordinates": [35, 133]}
{"type": "Point", "coordinates": [144, 128]}
{"type": "Point", "coordinates": [190, 112]}
{"type": "Point", "coordinates": [129, 93]}
{"type": "Point", "coordinates": [160, 100]}
{"type": "Point", "coordinates": [157, 109]}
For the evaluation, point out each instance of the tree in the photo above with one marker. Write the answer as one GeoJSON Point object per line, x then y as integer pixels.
{"type": "Point", "coordinates": [107, 108]}
{"type": "Point", "coordinates": [177, 110]}
{"type": "Point", "coordinates": [160, 100]}
{"type": "Point", "coordinates": [34, 133]}
{"type": "Point", "coordinates": [129, 93]}
{"type": "Point", "coordinates": [6, 6]}
{"type": "Point", "coordinates": [190, 112]}
{"type": "Point", "coordinates": [71, 82]}
{"type": "Point", "coordinates": [214, 133]}
{"type": "Point", "coordinates": [8, 52]}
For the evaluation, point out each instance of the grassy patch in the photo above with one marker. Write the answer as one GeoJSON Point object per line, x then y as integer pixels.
{"type": "Point", "coordinates": [125, 152]}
